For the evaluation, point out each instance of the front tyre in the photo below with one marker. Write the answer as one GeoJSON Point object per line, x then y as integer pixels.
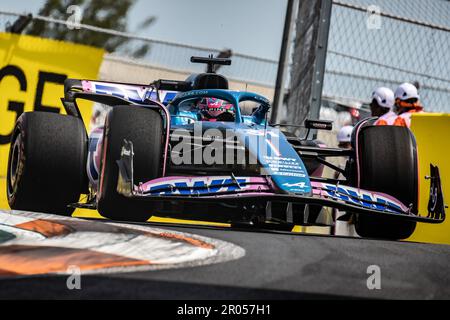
{"type": "Point", "coordinates": [144, 128]}
{"type": "Point", "coordinates": [388, 164]}
{"type": "Point", "coordinates": [46, 164]}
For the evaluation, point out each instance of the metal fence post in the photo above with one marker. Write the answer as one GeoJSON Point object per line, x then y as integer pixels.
{"type": "Point", "coordinates": [321, 54]}
{"type": "Point", "coordinates": [283, 62]}
{"type": "Point", "coordinates": [310, 48]}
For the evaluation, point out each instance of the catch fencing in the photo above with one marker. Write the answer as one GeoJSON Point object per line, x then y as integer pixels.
{"type": "Point", "coordinates": [164, 55]}
{"type": "Point", "coordinates": [384, 43]}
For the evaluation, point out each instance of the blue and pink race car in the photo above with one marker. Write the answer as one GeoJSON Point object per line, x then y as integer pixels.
{"type": "Point", "coordinates": [195, 150]}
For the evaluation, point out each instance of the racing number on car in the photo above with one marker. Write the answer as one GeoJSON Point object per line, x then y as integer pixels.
{"type": "Point", "coordinates": [18, 107]}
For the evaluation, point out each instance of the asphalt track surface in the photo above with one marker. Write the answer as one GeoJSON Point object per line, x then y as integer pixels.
{"type": "Point", "coordinates": [277, 265]}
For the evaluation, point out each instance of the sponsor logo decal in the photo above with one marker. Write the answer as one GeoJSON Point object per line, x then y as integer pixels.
{"type": "Point", "coordinates": [196, 186]}
{"type": "Point", "coordinates": [298, 184]}
{"type": "Point", "coordinates": [363, 198]}
{"type": "Point", "coordinates": [132, 93]}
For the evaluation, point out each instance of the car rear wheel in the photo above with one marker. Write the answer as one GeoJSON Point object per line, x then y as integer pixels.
{"type": "Point", "coordinates": [388, 164]}
{"type": "Point", "coordinates": [144, 128]}
{"type": "Point", "coordinates": [46, 165]}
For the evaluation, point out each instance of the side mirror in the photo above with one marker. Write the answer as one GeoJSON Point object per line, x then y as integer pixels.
{"type": "Point", "coordinates": [319, 124]}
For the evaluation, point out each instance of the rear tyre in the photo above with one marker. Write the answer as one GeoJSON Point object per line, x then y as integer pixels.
{"type": "Point", "coordinates": [46, 165]}
{"type": "Point", "coordinates": [388, 164]}
{"type": "Point", "coordinates": [144, 128]}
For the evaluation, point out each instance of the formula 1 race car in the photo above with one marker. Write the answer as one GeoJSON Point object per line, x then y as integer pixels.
{"type": "Point", "coordinates": [186, 149]}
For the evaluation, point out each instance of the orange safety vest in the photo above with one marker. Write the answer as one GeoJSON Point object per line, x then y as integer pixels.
{"type": "Point", "coordinates": [404, 119]}
{"type": "Point", "coordinates": [387, 119]}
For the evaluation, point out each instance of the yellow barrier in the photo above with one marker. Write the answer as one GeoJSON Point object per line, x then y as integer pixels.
{"type": "Point", "coordinates": [432, 133]}
{"type": "Point", "coordinates": [32, 74]}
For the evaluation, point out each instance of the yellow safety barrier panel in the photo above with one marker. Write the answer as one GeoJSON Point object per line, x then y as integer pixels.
{"type": "Point", "coordinates": [432, 132]}
{"type": "Point", "coordinates": [32, 74]}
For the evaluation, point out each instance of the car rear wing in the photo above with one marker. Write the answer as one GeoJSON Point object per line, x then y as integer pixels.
{"type": "Point", "coordinates": [118, 93]}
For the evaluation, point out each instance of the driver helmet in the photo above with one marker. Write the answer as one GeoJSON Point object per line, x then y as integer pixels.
{"type": "Point", "coordinates": [406, 96]}
{"type": "Point", "coordinates": [214, 109]}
